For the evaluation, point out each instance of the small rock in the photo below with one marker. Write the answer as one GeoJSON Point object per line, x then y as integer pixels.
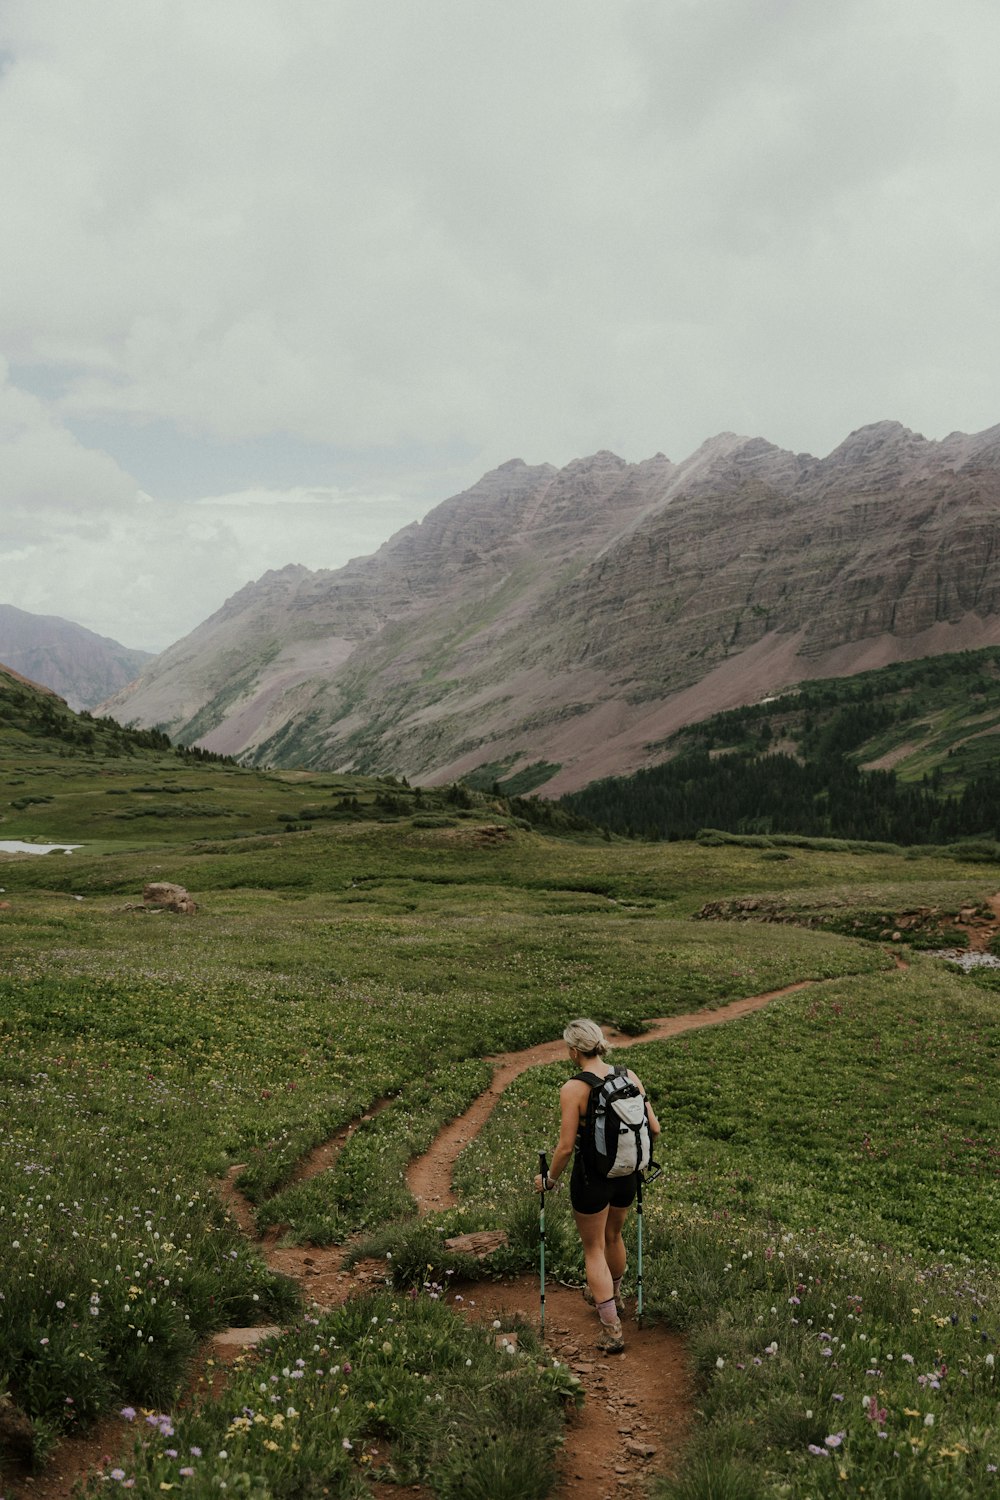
{"type": "Point", "coordinates": [245, 1337]}
{"type": "Point", "coordinates": [640, 1450]}
{"type": "Point", "coordinates": [480, 1244]}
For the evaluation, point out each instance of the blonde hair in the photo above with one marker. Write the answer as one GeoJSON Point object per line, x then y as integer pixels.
{"type": "Point", "coordinates": [586, 1037]}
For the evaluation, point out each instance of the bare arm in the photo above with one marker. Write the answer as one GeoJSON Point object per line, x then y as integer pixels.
{"type": "Point", "coordinates": [573, 1097]}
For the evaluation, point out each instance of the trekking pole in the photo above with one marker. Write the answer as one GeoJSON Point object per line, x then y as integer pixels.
{"type": "Point", "coordinates": [638, 1273]}
{"type": "Point", "coordinates": [653, 1173]}
{"type": "Point", "coordinates": [544, 1170]}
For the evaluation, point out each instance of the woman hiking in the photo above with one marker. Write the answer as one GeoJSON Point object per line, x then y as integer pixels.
{"type": "Point", "coordinates": [600, 1204]}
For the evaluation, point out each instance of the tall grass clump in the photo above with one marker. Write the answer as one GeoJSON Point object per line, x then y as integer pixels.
{"type": "Point", "coordinates": [402, 1389]}
{"type": "Point", "coordinates": [829, 1366]}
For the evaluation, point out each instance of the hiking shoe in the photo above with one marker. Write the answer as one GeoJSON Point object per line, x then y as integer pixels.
{"type": "Point", "coordinates": [611, 1339]}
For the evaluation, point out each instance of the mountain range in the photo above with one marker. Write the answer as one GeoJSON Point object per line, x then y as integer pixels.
{"type": "Point", "coordinates": [560, 624]}
{"type": "Point", "coordinates": [79, 665]}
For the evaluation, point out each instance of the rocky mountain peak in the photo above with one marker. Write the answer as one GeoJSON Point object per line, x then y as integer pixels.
{"type": "Point", "coordinates": [578, 615]}
{"type": "Point", "coordinates": [881, 449]}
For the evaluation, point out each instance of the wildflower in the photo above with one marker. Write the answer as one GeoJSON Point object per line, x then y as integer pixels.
{"type": "Point", "coordinates": [834, 1439]}
{"type": "Point", "coordinates": [720, 1362]}
{"type": "Point", "coordinates": [128, 1412]}
{"type": "Point", "coordinates": [929, 1419]}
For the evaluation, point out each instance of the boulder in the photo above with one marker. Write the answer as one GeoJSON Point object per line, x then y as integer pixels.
{"type": "Point", "coordinates": [168, 897]}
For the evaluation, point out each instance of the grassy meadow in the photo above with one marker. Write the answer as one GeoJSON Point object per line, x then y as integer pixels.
{"type": "Point", "coordinates": [825, 1232]}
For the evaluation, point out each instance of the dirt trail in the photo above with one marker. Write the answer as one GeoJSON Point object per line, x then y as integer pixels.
{"type": "Point", "coordinates": [429, 1177]}
{"type": "Point", "coordinates": [638, 1405]}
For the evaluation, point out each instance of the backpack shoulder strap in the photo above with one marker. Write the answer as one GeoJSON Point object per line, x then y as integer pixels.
{"type": "Point", "coordinates": [592, 1079]}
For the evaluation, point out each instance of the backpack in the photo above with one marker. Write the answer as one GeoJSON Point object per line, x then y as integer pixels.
{"type": "Point", "coordinates": [615, 1135]}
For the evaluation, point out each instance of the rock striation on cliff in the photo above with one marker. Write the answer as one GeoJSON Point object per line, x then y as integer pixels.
{"type": "Point", "coordinates": [578, 616]}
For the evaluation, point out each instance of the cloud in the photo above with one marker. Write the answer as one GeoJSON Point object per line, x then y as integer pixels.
{"type": "Point", "coordinates": [366, 223]}
{"type": "Point", "coordinates": [79, 539]}
{"type": "Point", "coordinates": [375, 229]}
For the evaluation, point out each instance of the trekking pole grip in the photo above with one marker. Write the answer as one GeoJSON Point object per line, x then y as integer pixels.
{"type": "Point", "coordinates": [543, 1168]}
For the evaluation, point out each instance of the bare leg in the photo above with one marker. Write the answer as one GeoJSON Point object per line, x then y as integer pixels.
{"type": "Point", "coordinates": [592, 1233]}
{"type": "Point", "coordinates": [614, 1245]}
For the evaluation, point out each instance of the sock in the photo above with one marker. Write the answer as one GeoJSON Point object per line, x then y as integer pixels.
{"type": "Point", "coordinates": [607, 1311]}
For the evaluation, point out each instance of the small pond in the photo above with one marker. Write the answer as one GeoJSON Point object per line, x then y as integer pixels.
{"type": "Point", "coordinates": [18, 846]}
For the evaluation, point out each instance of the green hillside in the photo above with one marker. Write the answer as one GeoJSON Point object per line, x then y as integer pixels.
{"type": "Point", "coordinates": [67, 777]}
{"type": "Point", "coordinates": [907, 754]}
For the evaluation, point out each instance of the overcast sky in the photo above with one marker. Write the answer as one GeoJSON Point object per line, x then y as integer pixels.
{"type": "Point", "coordinates": [278, 275]}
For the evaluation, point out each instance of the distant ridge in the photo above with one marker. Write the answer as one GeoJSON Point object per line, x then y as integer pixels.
{"type": "Point", "coordinates": [569, 620]}
{"type": "Point", "coordinates": [17, 677]}
{"type": "Point", "coordinates": [78, 665]}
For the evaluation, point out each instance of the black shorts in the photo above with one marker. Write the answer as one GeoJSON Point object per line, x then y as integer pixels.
{"type": "Point", "coordinates": [592, 1195]}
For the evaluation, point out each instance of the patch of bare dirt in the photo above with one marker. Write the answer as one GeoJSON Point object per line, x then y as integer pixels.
{"type": "Point", "coordinates": [638, 1406]}
{"type": "Point", "coordinates": [891, 759]}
